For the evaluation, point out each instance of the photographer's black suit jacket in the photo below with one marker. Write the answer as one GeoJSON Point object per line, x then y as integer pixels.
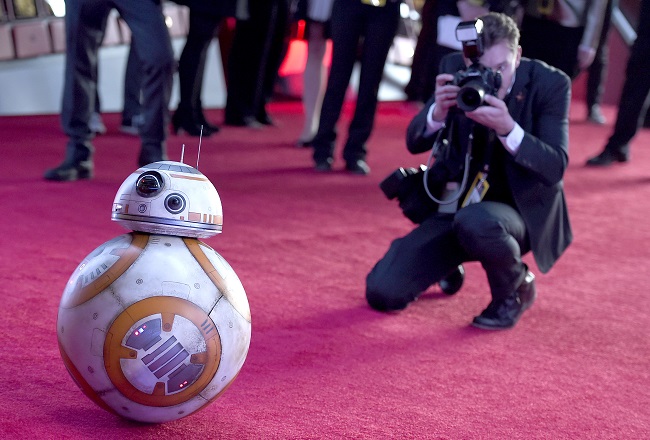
{"type": "Point", "coordinates": [539, 103]}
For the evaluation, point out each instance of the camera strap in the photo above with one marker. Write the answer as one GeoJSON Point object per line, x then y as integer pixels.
{"type": "Point", "coordinates": [449, 197]}
{"type": "Point", "coordinates": [480, 185]}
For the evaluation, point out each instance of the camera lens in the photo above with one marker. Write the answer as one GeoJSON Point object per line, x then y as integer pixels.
{"type": "Point", "coordinates": [470, 98]}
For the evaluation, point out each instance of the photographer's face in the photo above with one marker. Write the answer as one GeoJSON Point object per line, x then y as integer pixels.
{"type": "Point", "coordinates": [500, 57]}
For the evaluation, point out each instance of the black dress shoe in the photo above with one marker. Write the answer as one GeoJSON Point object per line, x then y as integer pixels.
{"type": "Point", "coordinates": [265, 119]}
{"type": "Point", "coordinates": [608, 157]}
{"type": "Point", "coordinates": [323, 165]}
{"type": "Point", "coordinates": [150, 153]}
{"type": "Point", "coordinates": [504, 313]}
{"type": "Point", "coordinates": [358, 167]}
{"type": "Point", "coordinates": [182, 124]}
{"type": "Point", "coordinates": [69, 171]}
{"type": "Point", "coordinates": [454, 281]}
{"type": "Point", "coordinates": [208, 126]}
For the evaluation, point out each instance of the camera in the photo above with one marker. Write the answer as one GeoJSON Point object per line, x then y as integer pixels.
{"type": "Point", "coordinates": [476, 81]}
{"type": "Point", "coordinates": [397, 182]}
{"type": "Point", "coordinates": [407, 185]}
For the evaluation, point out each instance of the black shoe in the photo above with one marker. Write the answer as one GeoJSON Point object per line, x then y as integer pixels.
{"type": "Point", "coordinates": [207, 126]}
{"type": "Point", "coordinates": [265, 119]}
{"type": "Point", "coordinates": [358, 167]}
{"type": "Point", "coordinates": [608, 157]}
{"type": "Point", "coordinates": [150, 153]}
{"type": "Point", "coordinates": [454, 281]}
{"type": "Point", "coordinates": [323, 165]}
{"type": "Point", "coordinates": [181, 124]}
{"type": "Point", "coordinates": [69, 171]}
{"type": "Point", "coordinates": [504, 313]}
{"type": "Point", "coordinates": [596, 115]}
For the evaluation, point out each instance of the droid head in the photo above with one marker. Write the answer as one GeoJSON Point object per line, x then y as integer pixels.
{"type": "Point", "coordinates": [169, 198]}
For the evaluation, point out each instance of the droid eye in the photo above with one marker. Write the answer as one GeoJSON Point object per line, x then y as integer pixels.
{"type": "Point", "coordinates": [174, 203]}
{"type": "Point", "coordinates": [149, 184]}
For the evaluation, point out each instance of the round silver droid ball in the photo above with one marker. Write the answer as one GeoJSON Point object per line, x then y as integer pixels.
{"type": "Point", "coordinates": [153, 327]}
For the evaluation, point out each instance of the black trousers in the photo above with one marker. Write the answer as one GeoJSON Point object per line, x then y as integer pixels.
{"type": "Point", "coordinates": [552, 43]}
{"type": "Point", "coordinates": [351, 23]}
{"type": "Point", "coordinates": [635, 96]}
{"type": "Point", "coordinates": [132, 87]}
{"type": "Point", "coordinates": [255, 57]}
{"type": "Point", "coordinates": [597, 71]}
{"type": "Point", "coordinates": [191, 65]}
{"type": "Point", "coordinates": [492, 233]}
{"type": "Point", "coordinates": [428, 53]}
{"type": "Point", "coordinates": [85, 24]}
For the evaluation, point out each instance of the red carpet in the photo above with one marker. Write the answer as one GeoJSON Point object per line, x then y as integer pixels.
{"type": "Point", "coordinates": [322, 364]}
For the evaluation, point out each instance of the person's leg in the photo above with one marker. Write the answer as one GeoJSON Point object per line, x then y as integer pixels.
{"type": "Point", "coordinates": [85, 25]}
{"type": "Point", "coordinates": [379, 34]}
{"type": "Point", "coordinates": [413, 263]}
{"type": "Point", "coordinates": [632, 107]}
{"type": "Point", "coordinates": [153, 46]}
{"type": "Point", "coordinates": [314, 77]}
{"type": "Point", "coordinates": [188, 115]}
{"type": "Point", "coordinates": [634, 96]}
{"type": "Point", "coordinates": [346, 26]}
{"type": "Point", "coordinates": [197, 106]}
{"type": "Point", "coordinates": [274, 52]}
{"type": "Point", "coordinates": [131, 117]}
{"type": "Point", "coordinates": [243, 69]}
{"type": "Point", "coordinates": [495, 234]}
{"type": "Point", "coordinates": [597, 72]}
{"type": "Point", "coordinates": [552, 43]}
{"type": "Point", "coordinates": [424, 48]}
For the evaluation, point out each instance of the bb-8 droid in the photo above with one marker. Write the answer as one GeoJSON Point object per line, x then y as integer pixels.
{"type": "Point", "coordinates": [154, 325]}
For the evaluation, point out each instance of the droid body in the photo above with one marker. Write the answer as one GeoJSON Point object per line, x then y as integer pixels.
{"type": "Point", "coordinates": [154, 327]}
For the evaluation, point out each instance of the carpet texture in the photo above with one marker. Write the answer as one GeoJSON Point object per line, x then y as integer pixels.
{"type": "Point", "coordinates": [321, 363]}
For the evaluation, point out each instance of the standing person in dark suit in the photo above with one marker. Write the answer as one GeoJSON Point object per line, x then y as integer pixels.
{"type": "Point", "coordinates": [84, 27]}
{"type": "Point", "coordinates": [255, 57]}
{"type": "Point", "coordinates": [519, 154]}
{"type": "Point", "coordinates": [635, 97]}
{"type": "Point", "coordinates": [205, 16]}
{"type": "Point", "coordinates": [374, 21]}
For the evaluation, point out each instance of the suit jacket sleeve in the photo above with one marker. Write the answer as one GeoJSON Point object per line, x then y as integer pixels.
{"type": "Point", "coordinates": [544, 149]}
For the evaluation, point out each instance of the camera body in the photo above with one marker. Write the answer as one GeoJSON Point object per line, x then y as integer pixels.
{"type": "Point", "coordinates": [407, 186]}
{"type": "Point", "coordinates": [476, 81]}
{"type": "Point", "coordinates": [396, 182]}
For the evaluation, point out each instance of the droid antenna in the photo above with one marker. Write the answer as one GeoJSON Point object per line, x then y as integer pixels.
{"type": "Point", "coordinates": [182, 152]}
{"type": "Point", "coordinates": [199, 153]}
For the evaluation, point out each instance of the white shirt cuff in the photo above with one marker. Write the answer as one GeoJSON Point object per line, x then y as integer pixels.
{"type": "Point", "coordinates": [432, 126]}
{"type": "Point", "coordinates": [513, 140]}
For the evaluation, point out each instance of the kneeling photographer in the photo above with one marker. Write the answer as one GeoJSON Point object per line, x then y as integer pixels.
{"type": "Point", "coordinates": [497, 128]}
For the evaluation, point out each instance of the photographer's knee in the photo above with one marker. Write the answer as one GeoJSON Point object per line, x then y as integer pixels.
{"type": "Point", "coordinates": [382, 297]}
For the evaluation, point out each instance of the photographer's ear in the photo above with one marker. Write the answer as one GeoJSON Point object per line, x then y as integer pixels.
{"type": "Point", "coordinates": [518, 60]}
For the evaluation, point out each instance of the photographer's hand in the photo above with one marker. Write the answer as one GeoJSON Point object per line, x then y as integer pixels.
{"type": "Point", "coordinates": [445, 96]}
{"type": "Point", "coordinates": [495, 115]}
